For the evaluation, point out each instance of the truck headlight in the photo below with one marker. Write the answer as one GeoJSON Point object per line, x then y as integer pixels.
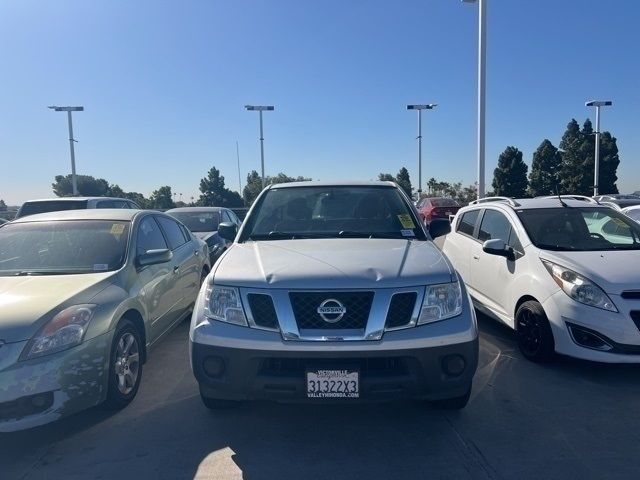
{"type": "Point", "coordinates": [223, 304]}
{"type": "Point", "coordinates": [441, 301]}
{"type": "Point", "coordinates": [65, 330]}
{"type": "Point", "coordinates": [580, 288]}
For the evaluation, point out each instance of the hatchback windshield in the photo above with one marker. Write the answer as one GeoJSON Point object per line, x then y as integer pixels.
{"type": "Point", "coordinates": [62, 247]}
{"type": "Point", "coordinates": [31, 208]}
{"type": "Point", "coordinates": [198, 221]}
{"type": "Point", "coordinates": [321, 212]}
{"type": "Point", "coordinates": [580, 229]}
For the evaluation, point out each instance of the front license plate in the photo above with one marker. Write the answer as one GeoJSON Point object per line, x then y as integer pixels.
{"type": "Point", "coordinates": [333, 384]}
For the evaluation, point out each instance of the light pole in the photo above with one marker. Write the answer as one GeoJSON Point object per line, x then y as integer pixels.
{"type": "Point", "coordinates": [420, 108]}
{"type": "Point", "coordinates": [482, 58]}
{"type": "Point", "coordinates": [596, 173]}
{"type": "Point", "coordinates": [260, 109]}
{"type": "Point", "coordinates": [74, 182]}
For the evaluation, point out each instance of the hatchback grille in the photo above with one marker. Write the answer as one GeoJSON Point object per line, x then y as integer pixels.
{"type": "Point", "coordinates": [400, 309]}
{"type": "Point", "coordinates": [262, 310]}
{"type": "Point", "coordinates": [635, 316]}
{"type": "Point", "coordinates": [305, 308]}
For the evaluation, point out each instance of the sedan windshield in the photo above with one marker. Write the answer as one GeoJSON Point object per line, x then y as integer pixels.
{"type": "Point", "coordinates": [198, 221]}
{"type": "Point", "coordinates": [47, 248]}
{"type": "Point", "coordinates": [332, 212]}
{"type": "Point", "coordinates": [580, 229]}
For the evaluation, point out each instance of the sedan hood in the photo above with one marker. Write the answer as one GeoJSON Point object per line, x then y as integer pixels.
{"type": "Point", "coordinates": [614, 271]}
{"type": "Point", "coordinates": [26, 301]}
{"type": "Point", "coordinates": [333, 263]}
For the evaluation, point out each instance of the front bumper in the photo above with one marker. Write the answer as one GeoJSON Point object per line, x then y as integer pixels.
{"type": "Point", "coordinates": [39, 391]}
{"type": "Point", "coordinates": [617, 327]}
{"type": "Point", "coordinates": [405, 363]}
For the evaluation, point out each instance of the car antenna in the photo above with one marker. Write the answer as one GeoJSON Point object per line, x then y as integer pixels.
{"type": "Point", "coordinates": [560, 198]}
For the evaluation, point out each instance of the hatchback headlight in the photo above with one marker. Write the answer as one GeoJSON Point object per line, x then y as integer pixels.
{"type": "Point", "coordinates": [65, 330]}
{"type": "Point", "coordinates": [440, 302]}
{"type": "Point", "coordinates": [579, 288]}
{"type": "Point", "coordinates": [223, 304]}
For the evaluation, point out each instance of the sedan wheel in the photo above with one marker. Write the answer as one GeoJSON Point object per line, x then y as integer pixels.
{"type": "Point", "coordinates": [125, 369]}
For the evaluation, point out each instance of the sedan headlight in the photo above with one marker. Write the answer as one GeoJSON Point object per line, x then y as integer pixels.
{"type": "Point", "coordinates": [65, 330]}
{"type": "Point", "coordinates": [441, 301]}
{"type": "Point", "coordinates": [223, 304]}
{"type": "Point", "coordinates": [579, 288]}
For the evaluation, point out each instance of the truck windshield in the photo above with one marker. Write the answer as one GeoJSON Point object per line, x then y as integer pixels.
{"type": "Point", "coordinates": [580, 229]}
{"type": "Point", "coordinates": [332, 212]}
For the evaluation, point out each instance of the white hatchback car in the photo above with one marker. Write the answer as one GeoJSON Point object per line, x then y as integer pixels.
{"type": "Point", "coordinates": [562, 272]}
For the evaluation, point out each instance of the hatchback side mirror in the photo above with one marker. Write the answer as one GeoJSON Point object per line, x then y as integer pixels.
{"type": "Point", "coordinates": [498, 247]}
{"type": "Point", "coordinates": [228, 231]}
{"type": "Point", "coordinates": [153, 257]}
{"type": "Point", "coordinates": [439, 227]}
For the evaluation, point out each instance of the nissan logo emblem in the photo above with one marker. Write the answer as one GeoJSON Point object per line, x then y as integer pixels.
{"type": "Point", "coordinates": [331, 310]}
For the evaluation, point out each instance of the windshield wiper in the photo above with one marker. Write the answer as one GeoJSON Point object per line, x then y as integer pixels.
{"type": "Point", "coordinates": [353, 234]}
{"type": "Point", "coordinates": [26, 273]}
{"type": "Point", "coordinates": [275, 235]}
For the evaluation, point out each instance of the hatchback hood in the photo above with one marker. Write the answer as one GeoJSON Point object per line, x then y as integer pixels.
{"type": "Point", "coordinates": [333, 263]}
{"type": "Point", "coordinates": [25, 302]}
{"type": "Point", "coordinates": [614, 271]}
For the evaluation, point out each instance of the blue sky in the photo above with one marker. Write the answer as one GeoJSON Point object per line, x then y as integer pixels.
{"type": "Point", "coordinates": [164, 83]}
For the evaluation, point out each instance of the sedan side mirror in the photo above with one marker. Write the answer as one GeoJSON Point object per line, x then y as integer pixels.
{"type": "Point", "coordinates": [499, 247]}
{"type": "Point", "coordinates": [228, 231]}
{"type": "Point", "coordinates": [153, 257]}
{"type": "Point", "coordinates": [439, 227]}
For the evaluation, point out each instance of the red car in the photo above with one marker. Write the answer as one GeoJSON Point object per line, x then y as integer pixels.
{"type": "Point", "coordinates": [436, 207]}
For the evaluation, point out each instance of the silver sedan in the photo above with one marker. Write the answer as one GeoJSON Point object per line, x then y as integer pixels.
{"type": "Point", "coordinates": [83, 296]}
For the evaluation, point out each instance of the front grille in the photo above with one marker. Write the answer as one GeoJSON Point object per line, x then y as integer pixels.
{"type": "Point", "coordinates": [400, 309]}
{"type": "Point", "coordinates": [631, 295]}
{"type": "Point", "coordinates": [262, 310]}
{"type": "Point", "coordinates": [378, 366]}
{"type": "Point", "coordinates": [635, 316]}
{"type": "Point", "coordinates": [305, 308]}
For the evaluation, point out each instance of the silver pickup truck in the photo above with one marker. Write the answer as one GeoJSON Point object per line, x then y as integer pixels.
{"type": "Point", "coordinates": [333, 292]}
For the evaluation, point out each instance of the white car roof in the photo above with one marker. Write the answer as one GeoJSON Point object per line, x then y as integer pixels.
{"type": "Point", "coordinates": [116, 214]}
{"type": "Point", "coordinates": [314, 183]}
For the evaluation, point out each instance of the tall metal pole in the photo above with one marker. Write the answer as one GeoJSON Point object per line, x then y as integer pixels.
{"type": "Point", "coordinates": [262, 148]}
{"type": "Point", "coordinates": [596, 174]}
{"type": "Point", "coordinates": [239, 177]}
{"type": "Point", "coordinates": [482, 54]}
{"type": "Point", "coordinates": [74, 182]}
{"type": "Point", "coordinates": [419, 153]}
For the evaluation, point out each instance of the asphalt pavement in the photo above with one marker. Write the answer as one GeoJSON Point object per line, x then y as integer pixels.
{"type": "Point", "coordinates": [565, 420]}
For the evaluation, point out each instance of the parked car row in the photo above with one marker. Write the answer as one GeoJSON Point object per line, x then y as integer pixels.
{"type": "Point", "coordinates": [327, 292]}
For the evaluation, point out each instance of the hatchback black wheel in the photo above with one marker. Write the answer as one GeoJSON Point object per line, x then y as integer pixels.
{"type": "Point", "coordinates": [125, 365]}
{"type": "Point", "coordinates": [535, 338]}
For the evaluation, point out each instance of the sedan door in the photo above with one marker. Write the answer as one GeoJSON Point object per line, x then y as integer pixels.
{"type": "Point", "coordinates": [156, 282]}
{"type": "Point", "coordinates": [186, 264]}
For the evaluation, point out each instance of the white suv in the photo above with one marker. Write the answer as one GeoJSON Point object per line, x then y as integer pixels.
{"type": "Point", "coordinates": [562, 271]}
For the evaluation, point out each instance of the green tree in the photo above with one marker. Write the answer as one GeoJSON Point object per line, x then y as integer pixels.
{"type": "Point", "coordinates": [609, 161]}
{"type": "Point", "coordinates": [3, 206]}
{"type": "Point", "coordinates": [252, 188]}
{"type": "Point", "coordinates": [115, 191]}
{"type": "Point", "coordinates": [402, 179]}
{"type": "Point", "coordinates": [88, 186]}
{"type": "Point", "coordinates": [139, 199]}
{"type": "Point", "coordinates": [572, 170]}
{"type": "Point", "coordinates": [510, 176]}
{"type": "Point", "coordinates": [386, 177]}
{"type": "Point", "coordinates": [545, 170]}
{"type": "Point", "coordinates": [212, 189]}
{"type": "Point", "coordinates": [162, 198]}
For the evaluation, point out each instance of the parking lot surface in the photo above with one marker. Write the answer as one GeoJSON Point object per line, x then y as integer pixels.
{"type": "Point", "coordinates": [566, 420]}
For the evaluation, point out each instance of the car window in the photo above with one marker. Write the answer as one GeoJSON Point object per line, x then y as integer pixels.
{"type": "Point", "coordinates": [149, 236]}
{"type": "Point", "coordinates": [198, 221]}
{"type": "Point", "coordinates": [173, 232]}
{"type": "Point", "coordinates": [186, 233]}
{"type": "Point", "coordinates": [31, 208]}
{"type": "Point", "coordinates": [234, 217]}
{"type": "Point", "coordinates": [494, 226]}
{"type": "Point", "coordinates": [634, 214]}
{"type": "Point", "coordinates": [514, 241]}
{"type": "Point", "coordinates": [580, 229]}
{"type": "Point", "coordinates": [467, 223]}
{"type": "Point", "coordinates": [107, 204]}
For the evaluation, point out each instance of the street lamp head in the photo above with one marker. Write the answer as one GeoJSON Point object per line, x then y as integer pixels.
{"type": "Point", "coordinates": [598, 103]}
{"type": "Point", "coordinates": [259, 107]}
{"type": "Point", "coordinates": [66, 109]}
{"type": "Point", "coordinates": [429, 106]}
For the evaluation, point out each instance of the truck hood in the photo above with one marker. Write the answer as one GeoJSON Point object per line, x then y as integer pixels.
{"type": "Point", "coordinates": [614, 271]}
{"type": "Point", "coordinates": [26, 302]}
{"type": "Point", "coordinates": [333, 263]}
